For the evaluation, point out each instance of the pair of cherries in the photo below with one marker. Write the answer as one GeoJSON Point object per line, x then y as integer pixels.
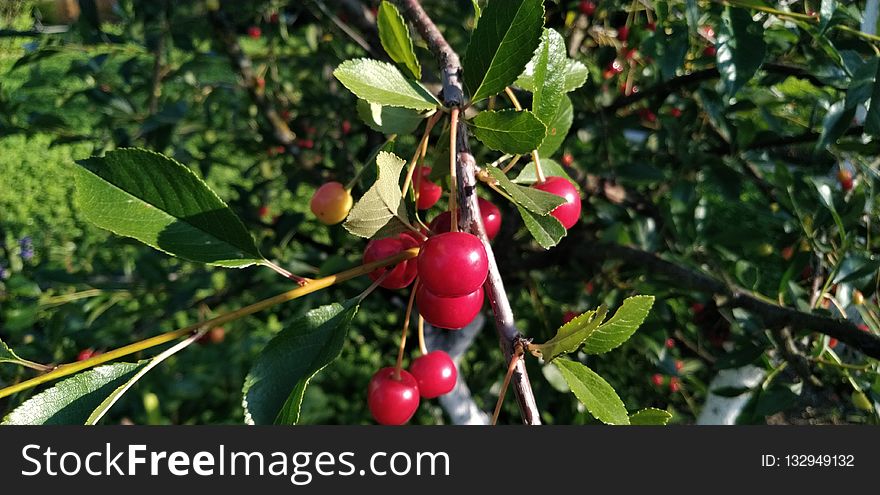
{"type": "Point", "coordinates": [452, 267]}
{"type": "Point", "coordinates": [393, 398]}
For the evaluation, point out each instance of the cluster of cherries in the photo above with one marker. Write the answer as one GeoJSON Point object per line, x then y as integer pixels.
{"type": "Point", "coordinates": [451, 268]}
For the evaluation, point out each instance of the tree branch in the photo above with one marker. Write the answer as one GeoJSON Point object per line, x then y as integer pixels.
{"type": "Point", "coordinates": [228, 40]}
{"type": "Point", "coordinates": [773, 315]}
{"type": "Point", "coordinates": [469, 220]}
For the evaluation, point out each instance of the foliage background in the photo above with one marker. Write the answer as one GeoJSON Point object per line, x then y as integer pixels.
{"type": "Point", "coordinates": [712, 188]}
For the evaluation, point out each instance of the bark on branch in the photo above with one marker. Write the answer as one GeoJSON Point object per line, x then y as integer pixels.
{"type": "Point", "coordinates": [469, 220]}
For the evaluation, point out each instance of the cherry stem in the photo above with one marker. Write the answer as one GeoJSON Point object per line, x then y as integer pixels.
{"type": "Point", "coordinates": [422, 347]}
{"type": "Point", "coordinates": [409, 307]}
{"type": "Point", "coordinates": [420, 151]}
{"type": "Point", "coordinates": [511, 164]}
{"type": "Point", "coordinates": [369, 290]}
{"type": "Point", "coordinates": [453, 174]}
{"type": "Point", "coordinates": [539, 173]}
{"type": "Point", "coordinates": [302, 281]}
{"type": "Point", "coordinates": [510, 369]}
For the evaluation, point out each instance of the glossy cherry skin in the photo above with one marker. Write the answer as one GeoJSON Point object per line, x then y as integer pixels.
{"type": "Point", "coordinates": [403, 273]}
{"type": "Point", "coordinates": [490, 214]}
{"type": "Point", "coordinates": [569, 212]}
{"type": "Point", "coordinates": [435, 373]}
{"type": "Point", "coordinates": [331, 203]}
{"type": "Point", "coordinates": [392, 401]}
{"type": "Point", "coordinates": [453, 264]}
{"type": "Point", "coordinates": [623, 33]}
{"type": "Point", "coordinates": [452, 313]}
{"type": "Point", "coordinates": [429, 191]}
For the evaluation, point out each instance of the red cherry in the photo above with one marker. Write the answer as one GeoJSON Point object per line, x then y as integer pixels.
{"type": "Point", "coordinates": [631, 54]}
{"type": "Point", "coordinates": [670, 343]}
{"type": "Point", "coordinates": [787, 252]}
{"type": "Point", "coordinates": [708, 32]}
{"type": "Point", "coordinates": [86, 354]}
{"type": "Point", "coordinates": [392, 401]}
{"type": "Point", "coordinates": [609, 73]}
{"type": "Point", "coordinates": [674, 385]}
{"type": "Point", "coordinates": [679, 365]}
{"type": "Point", "coordinates": [832, 342]}
{"type": "Point", "coordinates": [451, 313]}
{"type": "Point", "coordinates": [657, 379]}
{"type": "Point", "coordinates": [254, 32]}
{"type": "Point", "coordinates": [623, 33]}
{"type": "Point", "coordinates": [264, 211]}
{"type": "Point", "coordinates": [567, 159]}
{"type": "Point", "coordinates": [568, 316]}
{"type": "Point", "coordinates": [647, 115]}
{"type": "Point", "coordinates": [587, 7]}
{"type": "Point", "coordinates": [261, 83]}
{"type": "Point", "coordinates": [435, 373]}
{"type": "Point", "coordinates": [675, 112]}
{"type": "Point", "coordinates": [306, 143]}
{"type": "Point", "coordinates": [697, 308]}
{"type": "Point", "coordinates": [490, 214]}
{"type": "Point", "coordinates": [569, 212]}
{"type": "Point", "coordinates": [285, 115]}
{"type": "Point", "coordinates": [453, 264]}
{"type": "Point", "coordinates": [845, 178]}
{"type": "Point", "coordinates": [589, 288]}
{"type": "Point", "coordinates": [864, 327]}
{"type": "Point", "coordinates": [651, 26]}
{"type": "Point", "coordinates": [403, 273]}
{"type": "Point", "coordinates": [429, 191]}
{"type": "Point", "coordinates": [346, 127]}
{"type": "Point", "coordinates": [273, 18]}
{"type": "Point", "coordinates": [616, 66]}
{"type": "Point", "coordinates": [710, 51]}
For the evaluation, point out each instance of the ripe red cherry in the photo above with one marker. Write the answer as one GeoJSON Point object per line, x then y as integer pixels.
{"type": "Point", "coordinates": [254, 32]}
{"type": "Point", "coordinates": [264, 211]}
{"type": "Point", "coordinates": [86, 354]}
{"type": "Point", "coordinates": [675, 112]}
{"type": "Point", "coordinates": [490, 214]}
{"type": "Point", "coordinates": [567, 159]}
{"type": "Point", "coordinates": [710, 51]}
{"type": "Point", "coordinates": [657, 379]}
{"type": "Point", "coordinates": [845, 178]}
{"type": "Point", "coordinates": [306, 143]}
{"type": "Point", "coordinates": [674, 384]}
{"type": "Point", "coordinates": [453, 264]}
{"type": "Point", "coordinates": [647, 115]}
{"type": "Point", "coordinates": [651, 26]}
{"type": "Point", "coordinates": [429, 191]}
{"type": "Point", "coordinates": [273, 18]}
{"type": "Point", "coordinates": [403, 273]}
{"type": "Point", "coordinates": [587, 7]}
{"type": "Point", "coordinates": [346, 127]}
{"type": "Point", "coordinates": [392, 401]}
{"type": "Point", "coordinates": [679, 365]}
{"type": "Point", "coordinates": [616, 67]}
{"type": "Point", "coordinates": [451, 313]}
{"type": "Point", "coordinates": [569, 212]}
{"type": "Point", "coordinates": [435, 373]}
{"type": "Point", "coordinates": [261, 83]}
{"type": "Point", "coordinates": [832, 342]}
{"type": "Point", "coordinates": [568, 316]}
{"type": "Point", "coordinates": [623, 33]}
{"type": "Point", "coordinates": [670, 343]}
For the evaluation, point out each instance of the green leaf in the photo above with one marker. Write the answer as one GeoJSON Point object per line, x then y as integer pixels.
{"type": "Point", "coordinates": [862, 86]}
{"type": "Point", "coordinates": [834, 125]}
{"type": "Point", "coordinates": [826, 12]}
{"type": "Point", "coordinates": [274, 387]}
{"type": "Point", "coordinates": [477, 12]}
{"type": "Point", "coordinates": [557, 129]}
{"type": "Point", "coordinates": [158, 201]}
{"type": "Point", "coordinates": [621, 326]}
{"type": "Point", "coordinates": [575, 76]}
{"type": "Point", "coordinates": [551, 168]}
{"type": "Point", "coordinates": [672, 50]}
{"type": "Point", "coordinates": [388, 120]}
{"type": "Point", "coordinates": [571, 335]}
{"type": "Point", "coordinates": [872, 118]}
{"type": "Point", "coordinates": [650, 417]}
{"type": "Point", "coordinates": [741, 48]}
{"type": "Point", "coordinates": [381, 208]}
{"type": "Point", "coordinates": [594, 392]}
{"type": "Point", "coordinates": [547, 230]}
{"type": "Point", "coordinates": [549, 71]}
{"type": "Point", "coordinates": [72, 401]}
{"type": "Point", "coordinates": [383, 84]}
{"type": "Point", "coordinates": [117, 394]}
{"type": "Point", "coordinates": [501, 45]}
{"type": "Point", "coordinates": [7, 355]}
{"type": "Point", "coordinates": [396, 40]}
{"type": "Point", "coordinates": [534, 200]}
{"type": "Point", "coordinates": [509, 131]}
